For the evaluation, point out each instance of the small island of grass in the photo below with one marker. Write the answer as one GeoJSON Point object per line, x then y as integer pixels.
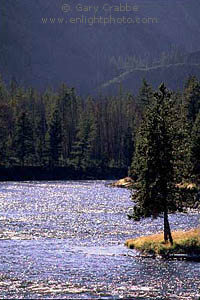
{"type": "Point", "coordinates": [184, 242]}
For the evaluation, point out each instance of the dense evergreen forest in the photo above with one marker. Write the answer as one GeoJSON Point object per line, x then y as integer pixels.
{"type": "Point", "coordinates": [57, 134]}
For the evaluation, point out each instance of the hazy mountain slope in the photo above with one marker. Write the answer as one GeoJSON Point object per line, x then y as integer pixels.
{"type": "Point", "coordinates": [43, 54]}
{"type": "Point", "coordinates": [174, 77]}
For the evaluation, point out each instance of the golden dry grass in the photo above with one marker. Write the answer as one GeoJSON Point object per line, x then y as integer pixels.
{"type": "Point", "coordinates": [187, 186]}
{"type": "Point", "coordinates": [184, 242]}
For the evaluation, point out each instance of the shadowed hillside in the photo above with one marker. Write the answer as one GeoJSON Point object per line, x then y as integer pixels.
{"type": "Point", "coordinates": [173, 74]}
{"type": "Point", "coordinates": [82, 55]}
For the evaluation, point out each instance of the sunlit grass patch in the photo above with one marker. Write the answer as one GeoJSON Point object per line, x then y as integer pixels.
{"type": "Point", "coordinates": [185, 242]}
{"type": "Point", "coordinates": [187, 186]}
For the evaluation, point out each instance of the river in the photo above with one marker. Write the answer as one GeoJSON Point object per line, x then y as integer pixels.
{"type": "Point", "coordinates": [65, 240]}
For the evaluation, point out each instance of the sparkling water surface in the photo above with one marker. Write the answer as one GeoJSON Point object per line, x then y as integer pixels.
{"type": "Point", "coordinates": [65, 240]}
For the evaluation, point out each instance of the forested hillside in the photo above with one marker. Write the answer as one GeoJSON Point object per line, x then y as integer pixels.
{"type": "Point", "coordinates": [57, 129]}
{"type": "Point", "coordinates": [60, 129]}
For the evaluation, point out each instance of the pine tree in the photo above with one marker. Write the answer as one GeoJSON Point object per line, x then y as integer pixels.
{"type": "Point", "coordinates": [128, 147]}
{"type": "Point", "coordinates": [181, 141]}
{"type": "Point", "coordinates": [68, 107]}
{"type": "Point", "coordinates": [55, 138]}
{"type": "Point", "coordinates": [145, 95]}
{"type": "Point", "coordinates": [40, 135]}
{"type": "Point", "coordinates": [192, 98]}
{"type": "Point", "coordinates": [13, 86]}
{"type": "Point", "coordinates": [23, 142]}
{"type": "Point", "coordinates": [153, 162]}
{"type": "Point", "coordinates": [81, 150]}
{"type": "Point", "coordinates": [5, 119]}
{"type": "Point", "coordinates": [195, 149]}
{"type": "Point", "coordinates": [3, 91]}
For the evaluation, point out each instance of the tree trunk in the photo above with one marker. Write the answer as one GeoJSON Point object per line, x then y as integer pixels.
{"type": "Point", "coordinates": [167, 231]}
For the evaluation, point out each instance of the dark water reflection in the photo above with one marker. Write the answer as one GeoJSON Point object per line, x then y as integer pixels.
{"type": "Point", "coordinates": [65, 240]}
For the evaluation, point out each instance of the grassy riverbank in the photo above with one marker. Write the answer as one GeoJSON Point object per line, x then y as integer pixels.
{"type": "Point", "coordinates": [186, 242]}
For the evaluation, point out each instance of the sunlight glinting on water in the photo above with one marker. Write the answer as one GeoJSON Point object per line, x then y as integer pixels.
{"type": "Point", "coordinates": [66, 240]}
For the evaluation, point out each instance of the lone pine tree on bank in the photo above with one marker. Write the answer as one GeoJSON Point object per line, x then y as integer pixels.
{"type": "Point", "coordinates": [153, 162]}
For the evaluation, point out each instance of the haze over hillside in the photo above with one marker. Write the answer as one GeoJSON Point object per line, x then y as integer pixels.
{"type": "Point", "coordinates": [98, 56]}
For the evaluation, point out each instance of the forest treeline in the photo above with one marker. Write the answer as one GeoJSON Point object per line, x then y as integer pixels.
{"type": "Point", "coordinates": [58, 130]}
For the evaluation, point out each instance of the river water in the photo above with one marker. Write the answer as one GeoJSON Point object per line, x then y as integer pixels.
{"type": "Point", "coordinates": [65, 240]}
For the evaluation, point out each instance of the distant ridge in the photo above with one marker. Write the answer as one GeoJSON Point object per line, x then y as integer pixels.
{"type": "Point", "coordinates": [44, 55]}
{"type": "Point", "coordinates": [174, 75]}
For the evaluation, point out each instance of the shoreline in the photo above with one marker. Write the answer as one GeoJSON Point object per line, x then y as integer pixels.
{"type": "Point", "coordinates": [186, 245]}
{"type": "Point", "coordinates": [31, 173]}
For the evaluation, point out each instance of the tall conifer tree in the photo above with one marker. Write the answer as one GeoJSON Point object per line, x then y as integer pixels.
{"type": "Point", "coordinates": [153, 162]}
{"type": "Point", "coordinates": [24, 144]}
